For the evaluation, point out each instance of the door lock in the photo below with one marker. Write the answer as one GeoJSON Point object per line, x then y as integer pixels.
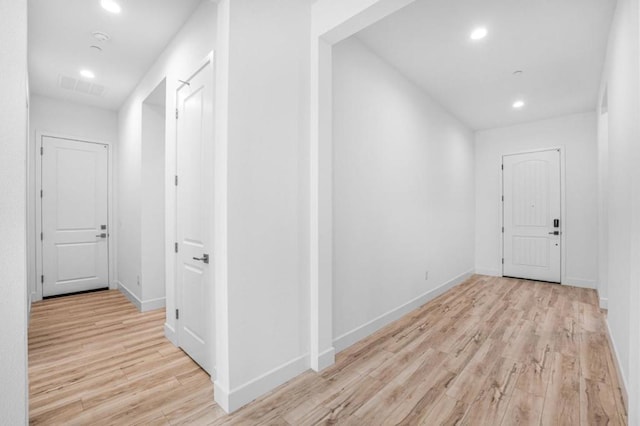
{"type": "Point", "coordinates": [203, 259]}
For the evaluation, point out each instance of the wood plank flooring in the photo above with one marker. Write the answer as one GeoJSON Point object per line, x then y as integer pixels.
{"type": "Point", "coordinates": [492, 351]}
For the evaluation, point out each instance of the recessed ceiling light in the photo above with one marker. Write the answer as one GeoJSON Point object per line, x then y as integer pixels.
{"type": "Point", "coordinates": [519, 104]}
{"type": "Point", "coordinates": [479, 33]}
{"type": "Point", "coordinates": [87, 74]}
{"type": "Point", "coordinates": [518, 73]}
{"type": "Point", "coordinates": [95, 48]}
{"type": "Point", "coordinates": [110, 6]}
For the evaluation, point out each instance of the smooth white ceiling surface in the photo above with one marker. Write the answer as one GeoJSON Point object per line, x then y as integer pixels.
{"type": "Point", "coordinates": [559, 44]}
{"type": "Point", "coordinates": [60, 33]}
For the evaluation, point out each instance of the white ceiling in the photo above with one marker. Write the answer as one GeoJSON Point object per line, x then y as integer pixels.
{"type": "Point", "coordinates": [559, 44]}
{"type": "Point", "coordinates": [60, 34]}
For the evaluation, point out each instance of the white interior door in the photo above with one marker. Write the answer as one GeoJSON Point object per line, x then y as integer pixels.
{"type": "Point", "coordinates": [195, 217]}
{"type": "Point", "coordinates": [532, 212]}
{"type": "Point", "coordinates": [75, 243]}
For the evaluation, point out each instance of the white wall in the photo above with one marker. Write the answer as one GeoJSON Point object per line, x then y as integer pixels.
{"type": "Point", "coordinates": [178, 61]}
{"type": "Point", "coordinates": [577, 134]}
{"type": "Point", "coordinates": [153, 204]}
{"type": "Point", "coordinates": [403, 194]}
{"type": "Point", "coordinates": [62, 118]}
{"type": "Point", "coordinates": [621, 80]}
{"type": "Point", "coordinates": [264, 68]}
{"type": "Point", "coordinates": [14, 401]}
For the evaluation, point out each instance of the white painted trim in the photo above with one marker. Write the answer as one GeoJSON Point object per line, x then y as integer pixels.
{"type": "Point", "coordinates": [130, 295]}
{"type": "Point", "coordinates": [170, 334]}
{"type": "Point", "coordinates": [367, 329]}
{"type": "Point", "coordinates": [489, 272]}
{"type": "Point", "coordinates": [111, 208]}
{"type": "Point", "coordinates": [623, 383]}
{"type": "Point", "coordinates": [563, 205]}
{"type": "Point", "coordinates": [579, 282]}
{"type": "Point", "coordinates": [244, 394]}
{"type": "Point", "coordinates": [326, 359]}
{"type": "Point", "coordinates": [604, 303]}
{"type": "Point", "coordinates": [153, 304]}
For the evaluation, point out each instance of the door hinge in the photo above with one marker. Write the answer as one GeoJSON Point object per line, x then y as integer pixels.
{"type": "Point", "coordinates": [176, 180]}
{"type": "Point", "coordinates": [42, 236]}
{"type": "Point", "coordinates": [177, 313]}
{"type": "Point", "coordinates": [41, 150]}
{"type": "Point", "coordinates": [502, 166]}
{"type": "Point", "coordinates": [503, 198]}
{"type": "Point", "coordinates": [41, 193]}
{"type": "Point", "coordinates": [42, 279]}
{"type": "Point", "coordinates": [177, 113]}
{"type": "Point", "coordinates": [175, 247]}
{"type": "Point", "coordinates": [503, 260]}
{"type": "Point", "coordinates": [503, 229]}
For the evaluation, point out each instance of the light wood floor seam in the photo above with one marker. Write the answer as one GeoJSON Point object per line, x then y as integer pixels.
{"type": "Point", "coordinates": [491, 351]}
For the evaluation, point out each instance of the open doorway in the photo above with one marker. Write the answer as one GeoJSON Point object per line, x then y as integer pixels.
{"type": "Point", "coordinates": [107, 95]}
{"type": "Point", "coordinates": [152, 224]}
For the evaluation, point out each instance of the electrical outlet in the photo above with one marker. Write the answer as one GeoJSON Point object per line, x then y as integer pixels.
{"type": "Point", "coordinates": [426, 275]}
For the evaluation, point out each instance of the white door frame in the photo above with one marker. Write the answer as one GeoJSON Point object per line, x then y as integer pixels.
{"type": "Point", "coordinates": [563, 203]}
{"type": "Point", "coordinates": [172, 236]}
{"type": "Point", "coordinates": [34, 191]}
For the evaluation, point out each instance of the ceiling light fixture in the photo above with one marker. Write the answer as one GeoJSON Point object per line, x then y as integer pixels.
{"type": "Point", "coordinates": [87, 74]}
{"type": "Point", "coordinates": [110, 6]}
{"type": "Point", "coordinates": [519, 104]}
{"type": "Point", "coordinates": [479, 33]}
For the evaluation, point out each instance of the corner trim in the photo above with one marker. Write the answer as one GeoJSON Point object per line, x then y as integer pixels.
{"type": "Point", "coordinates": [349, 338]}
{"type": "Point", "coordinates": [616, 361]}
{"type": "Point", "coordinates": [240, 396]}
{"type": "Point", "coordinates": [579, 282]}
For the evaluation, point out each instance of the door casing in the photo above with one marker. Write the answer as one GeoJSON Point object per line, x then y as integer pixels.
{"type": "Point", "coordinates": [563, 221]}
{"type": "Point", "coordinates": [37, 226]}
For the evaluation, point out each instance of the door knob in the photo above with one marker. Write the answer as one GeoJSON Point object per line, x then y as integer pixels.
{"type": "Point", "coordinates": [203, 259]}
{"type": "Point", "coordinates": [103, 235]}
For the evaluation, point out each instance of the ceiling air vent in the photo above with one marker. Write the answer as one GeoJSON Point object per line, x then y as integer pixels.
{"type": "Point", "coordinates": [81, 86]}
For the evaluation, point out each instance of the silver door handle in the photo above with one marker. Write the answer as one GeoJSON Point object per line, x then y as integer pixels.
{"type": "Point", "coordinates": [203, 259]}
{"type": "Point", "coordinates": [103, 235]}
{"type": "Point", "coordinates": [554, 233]}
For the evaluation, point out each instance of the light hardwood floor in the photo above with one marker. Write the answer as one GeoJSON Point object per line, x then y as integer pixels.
{"type": "Point", "coordinates": [492, 351]}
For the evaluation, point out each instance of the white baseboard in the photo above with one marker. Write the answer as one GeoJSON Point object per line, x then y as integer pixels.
{"type": "Point", "coordinates": [142, 305]}
{"type": "Point", "coordinates": [621, 378]}
{"type": "Point", "coordinates": [170, 334]}
{"type": "Point", "coordinates": [347, 339]}
{"type": "Point", "coordinates": [232, 400]}
{"type": "Point", "coordinates": [579, 282]}
{"type": "Point", "coordinates": [153, 304]}
{"type": "Point", "coordinates": [604, 303]}
{"type": "Point", "coordinates": [130, 295]}
{"type": "Point", "coordinates": [489, 272]}
{"type": "Point", "coordinates": [325, 359]}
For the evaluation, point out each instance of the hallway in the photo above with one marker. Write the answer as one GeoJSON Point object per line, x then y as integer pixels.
{"type": "Point", "coordinates": [488, 352]}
